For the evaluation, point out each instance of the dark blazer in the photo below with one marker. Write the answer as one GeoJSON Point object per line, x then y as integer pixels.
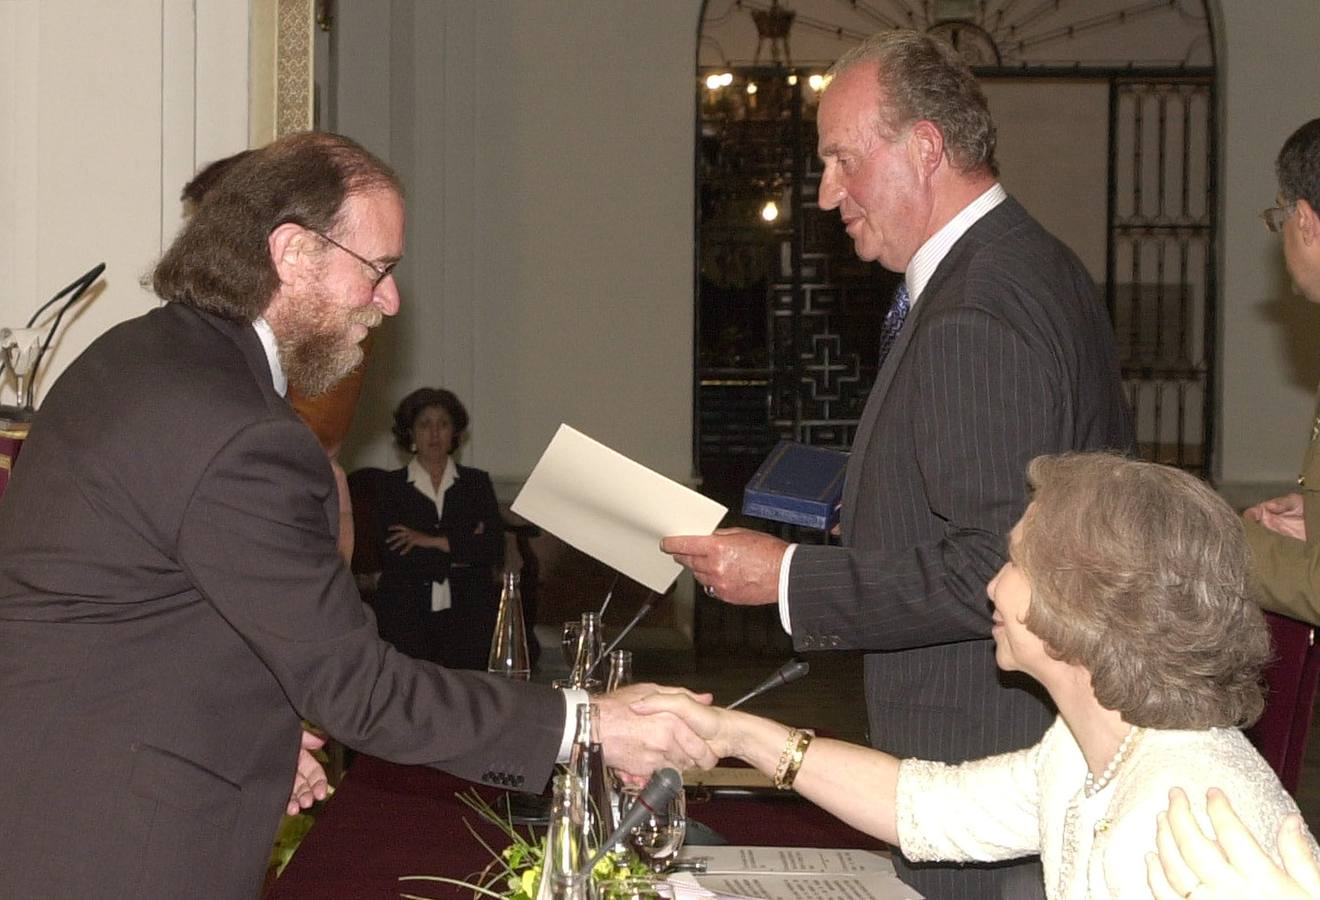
{"type": "Point", "coordinates": [1007, 354]}
{"type": "Point", "coordinates": [171, 602]}
{"type": "Point", "coordinates": [458, 637]}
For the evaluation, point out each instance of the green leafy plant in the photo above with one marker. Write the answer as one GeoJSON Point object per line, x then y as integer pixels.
{"type": "Point", "coordinates": [514, 873]}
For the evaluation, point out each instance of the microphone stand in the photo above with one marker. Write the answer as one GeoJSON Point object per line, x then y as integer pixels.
{"type": "Point", "coordinates": [646, 608]}
{"type": "Point", "coordinates": [78, 288]}
{"type": "Point", "coordinates": [609, 595]}
{"type": "Point", "coordinates": [789, 671]}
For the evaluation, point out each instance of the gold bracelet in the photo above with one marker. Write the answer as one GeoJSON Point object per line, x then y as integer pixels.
{"type": "Point", "coordinates": [790, 760]}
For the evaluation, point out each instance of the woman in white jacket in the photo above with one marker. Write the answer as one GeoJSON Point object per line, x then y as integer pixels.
{"type": "Point", "coordinates": [1126, 596]}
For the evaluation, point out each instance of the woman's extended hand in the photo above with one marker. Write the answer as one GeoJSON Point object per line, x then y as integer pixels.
{"type": "Point", "coordinates": [713, 724]}
{"type": "Point", "coordinates": [1231, 865]}
{"type": "Point", "coordinates": [401, 539]}
{"type": "Point", "coordinates": [637, 744]}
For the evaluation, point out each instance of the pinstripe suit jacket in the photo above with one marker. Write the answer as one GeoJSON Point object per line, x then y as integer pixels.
{"type": "Point", "coordinates": [1007, 354]}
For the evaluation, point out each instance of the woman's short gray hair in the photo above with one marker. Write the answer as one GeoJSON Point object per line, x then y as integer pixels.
{"type": "Point", "coordinates": [1140, 574]}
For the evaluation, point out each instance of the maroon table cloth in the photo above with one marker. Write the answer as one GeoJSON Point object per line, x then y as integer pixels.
{"type": "Point", "coordinates": [388, 820]}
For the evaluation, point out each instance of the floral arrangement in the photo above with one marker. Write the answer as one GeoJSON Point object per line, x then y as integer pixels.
{"type": "Point", "coordinates": [514, 873]}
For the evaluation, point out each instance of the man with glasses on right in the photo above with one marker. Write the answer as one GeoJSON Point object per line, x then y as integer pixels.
{"type": "Point", "coordinates": [1284, 533]}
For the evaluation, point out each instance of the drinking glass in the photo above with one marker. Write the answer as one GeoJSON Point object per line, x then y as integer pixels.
{"type": "Point", "coordinates": [568, 641]}
{"type": "Point", "coordinates": [659, 836]}
{"type": "Point", "coordinates": [620, 670]}
{"type": "Point", "coordinates": [569, 638]}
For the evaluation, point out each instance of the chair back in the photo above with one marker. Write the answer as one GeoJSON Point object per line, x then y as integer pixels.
{"type": "Point", "coordinates": [1291, 679]}
{"type": "Point", "coordinates": [365, 486]}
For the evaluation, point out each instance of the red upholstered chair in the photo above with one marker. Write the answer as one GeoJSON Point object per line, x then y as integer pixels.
{"type": "Point", "coordinates": [1291, 680]}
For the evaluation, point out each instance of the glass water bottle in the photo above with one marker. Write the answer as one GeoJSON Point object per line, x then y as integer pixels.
{"type": "Point", "coordinates": [508, 646]}
{"type": "Point", "coordinates": [620, 670]}
{"type": "Point", "coordinates": [587, 763]}
{"type": "Point", "coordinates": [564, 875]}
{"type": "Point", "coordinates": [589, 650]}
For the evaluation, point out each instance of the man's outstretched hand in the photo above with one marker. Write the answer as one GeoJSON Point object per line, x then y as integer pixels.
{"type": "Point", "coordinates": [636, 745]}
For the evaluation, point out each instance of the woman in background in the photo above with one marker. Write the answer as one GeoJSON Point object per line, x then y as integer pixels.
{"type": "Point", "coordinates": [440, 540]}
{"type": "Point", "coordinates": [1126, 596]}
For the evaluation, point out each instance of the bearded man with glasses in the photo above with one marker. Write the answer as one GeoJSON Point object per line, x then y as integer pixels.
{"type": "Point", "coordinates": [172, 598]}
{"type": "Point", "coordinates": [1284, 533]}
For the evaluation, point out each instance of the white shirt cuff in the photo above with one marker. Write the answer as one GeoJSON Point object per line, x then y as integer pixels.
{"type": "Point", "coordinates": [573, 698]}
{"type": "Point", "coordinates": [783, 589]}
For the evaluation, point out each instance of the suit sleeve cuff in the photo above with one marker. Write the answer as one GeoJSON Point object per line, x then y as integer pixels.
{"type": "Point", "coordinates": [573, 698]}
{"type": "Point", "coordinates": [783, 589]}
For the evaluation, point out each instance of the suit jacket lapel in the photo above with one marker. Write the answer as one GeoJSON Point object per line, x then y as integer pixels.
{"type": "Point", "coordinates": [993, 222]}
{"type": "Point", "coordinates": [254, 353]}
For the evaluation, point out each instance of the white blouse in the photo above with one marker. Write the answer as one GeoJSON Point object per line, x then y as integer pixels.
{"type": "Point", "coordinates": [419, 478]}
{"type": "Point", "coordinates": [1032, 801]}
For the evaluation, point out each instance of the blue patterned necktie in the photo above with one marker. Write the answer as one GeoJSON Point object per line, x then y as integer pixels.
{"type": "Point", "coordinates": [893, 323]}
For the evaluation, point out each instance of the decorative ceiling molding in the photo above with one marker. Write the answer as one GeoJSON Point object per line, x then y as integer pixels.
{"type": "Point", "coordinates": [1012, 34]}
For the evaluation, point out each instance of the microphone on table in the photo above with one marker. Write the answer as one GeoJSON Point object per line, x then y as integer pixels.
{"type": "Point", "coordinates": [789, 671]}
{"type": "Point", "coordinates": [658, 793]}
{"type": "Point", "coordinates": [641, 613]}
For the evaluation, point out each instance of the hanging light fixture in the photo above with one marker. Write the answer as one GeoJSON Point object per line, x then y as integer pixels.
{"type": "Point", "coordinates": [772, 27]}
{"type": "Point", "coordinates": [770, 211]}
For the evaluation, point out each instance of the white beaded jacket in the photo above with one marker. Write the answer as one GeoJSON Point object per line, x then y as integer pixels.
{"type": "Point", "coordinates": [1032, 801]}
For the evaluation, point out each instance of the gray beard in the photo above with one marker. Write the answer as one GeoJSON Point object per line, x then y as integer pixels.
{"type": "Point", "coordinates": [316, 362]}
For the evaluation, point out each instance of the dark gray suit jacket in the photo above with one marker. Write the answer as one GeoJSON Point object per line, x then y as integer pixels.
{"type": "Point", "coordinates": [171, 602]}
{"type": "Point", "coordinates": [1007, 354]}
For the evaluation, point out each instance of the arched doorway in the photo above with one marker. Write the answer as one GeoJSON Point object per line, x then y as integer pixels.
{"type": "Point", "coordinates": [1106, 112]}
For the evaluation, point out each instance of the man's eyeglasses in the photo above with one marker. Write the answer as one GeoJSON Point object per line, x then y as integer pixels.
{"type": "Point", "coordinates": [1275, 216]}
{"type": "Point", "coordinates": [381, 272]}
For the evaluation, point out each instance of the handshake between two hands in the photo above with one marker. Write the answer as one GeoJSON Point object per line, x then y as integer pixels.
{"type": "Point", "coordinates": [644, 727]}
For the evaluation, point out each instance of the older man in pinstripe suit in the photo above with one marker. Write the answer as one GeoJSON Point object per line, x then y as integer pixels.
{"type": "Point", "coordinates": [998, 349]}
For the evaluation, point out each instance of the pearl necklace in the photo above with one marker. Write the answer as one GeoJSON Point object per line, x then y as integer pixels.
{"type": "Point", "coordinates": [1095, 785]}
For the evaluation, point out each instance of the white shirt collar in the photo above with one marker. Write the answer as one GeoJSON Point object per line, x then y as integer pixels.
{"type": "Point", "coordinates": [419, 478]}
{"type": "Point", "coordinates": [268, 343]}
{"type": "Point", "coordinates": [929, 255]}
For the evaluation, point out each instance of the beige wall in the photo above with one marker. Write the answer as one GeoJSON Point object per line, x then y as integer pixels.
{"type": "Point", "coordinates": [548, 276]}
{"type": "Point", "coordinates": [106, 110]}
{"type": "Point", "coordinates": [1058, 171]}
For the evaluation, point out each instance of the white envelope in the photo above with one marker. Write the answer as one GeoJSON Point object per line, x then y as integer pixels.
{"type": "Point", "coordinates": [612, 508]}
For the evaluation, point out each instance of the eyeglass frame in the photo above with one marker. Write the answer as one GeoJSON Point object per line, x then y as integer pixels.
{"type": "Point", "coordinates": [381, 272]}
{"type": "Point", "coordinates": [1275, 216]}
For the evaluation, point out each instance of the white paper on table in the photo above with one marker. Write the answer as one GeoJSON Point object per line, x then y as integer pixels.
{"type": "Point", "coordinates": [684, 886]}
{"type": "Point", "coordinates": [612, 508]}
{"type": "Point", "coordinates": [794, 873]}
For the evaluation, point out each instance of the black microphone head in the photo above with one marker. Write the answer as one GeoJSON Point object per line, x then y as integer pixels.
{"type": "Point", "coordinates": [794, 669]}
{"type": "Point", "coordinates": [662, 788]}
